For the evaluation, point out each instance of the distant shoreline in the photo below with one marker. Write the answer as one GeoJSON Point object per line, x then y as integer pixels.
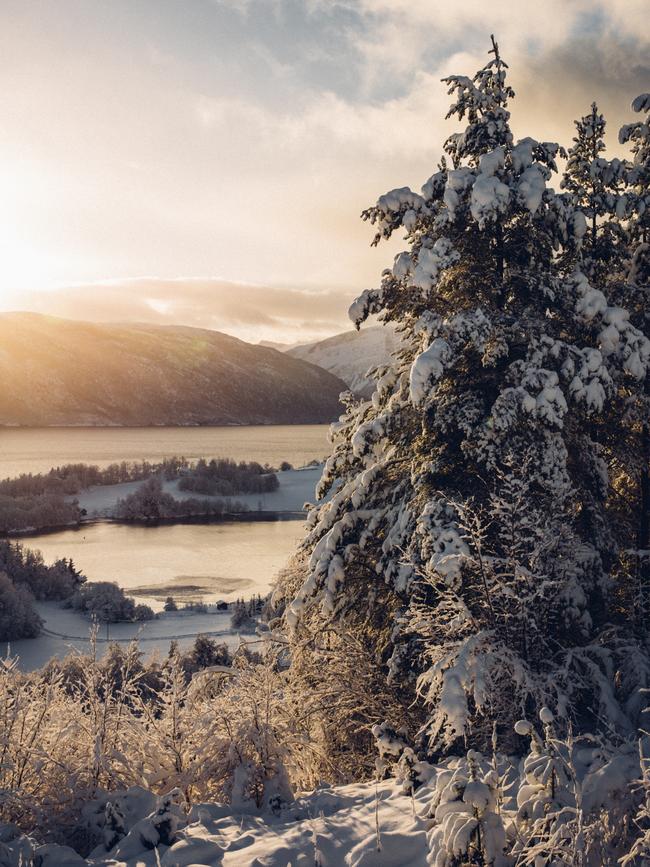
{"type": "Point", "coordinates": [37, 450]}
{"type": "Point", "coordinates": [233, 517]}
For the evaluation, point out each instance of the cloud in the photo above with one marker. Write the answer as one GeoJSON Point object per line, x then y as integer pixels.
{"type": "Point", "coordinates": [244, 140]}
{"type": "Point", "coordinates": [604, 68]}
{"type": "Point", "coordinates": [247, 311]}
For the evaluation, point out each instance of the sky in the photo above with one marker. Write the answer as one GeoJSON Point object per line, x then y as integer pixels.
{"type": "Point", "coordinates": [205, 162]}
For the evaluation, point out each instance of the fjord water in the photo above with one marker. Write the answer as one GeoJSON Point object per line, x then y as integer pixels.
{"type": "Point", "coordinates": [187, 561]}
{"type": "Point", "coordinates": [37, 450]}
{"type": "Point", "coordinates": [195, 562]}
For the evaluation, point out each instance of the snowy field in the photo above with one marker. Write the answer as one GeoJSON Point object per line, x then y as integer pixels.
{"type": "Point", "coordinates": [363, 824]}
{"type": "Point", "coordinates": [66, 631]}
{"type": "Point", "coordinates": [296, 488]}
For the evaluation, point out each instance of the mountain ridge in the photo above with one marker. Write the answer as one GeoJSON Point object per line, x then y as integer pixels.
{"type": "Point", "coordinates": [65, 372]}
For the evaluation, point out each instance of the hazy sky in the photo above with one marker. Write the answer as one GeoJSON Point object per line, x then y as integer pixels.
{"type": "Point", "coordinates": [206, 161]}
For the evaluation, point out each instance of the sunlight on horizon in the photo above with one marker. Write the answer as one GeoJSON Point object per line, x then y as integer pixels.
{"type": "Point", "coordinates": [244, 139]}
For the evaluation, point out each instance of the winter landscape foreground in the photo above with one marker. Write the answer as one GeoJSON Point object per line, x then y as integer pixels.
{"type": "Point", "coordinates": [455, 664]}
{"type": "Point", "coordinates": [359, 825]}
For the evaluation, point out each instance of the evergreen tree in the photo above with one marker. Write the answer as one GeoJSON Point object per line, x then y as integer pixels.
{"type": "Point", "coordinates": [468, 828]}
{"type": "Point", "coordinates": [468, 536]}
{"type": "Point", "coordinates": [595, 185]}
{"type": "Point", "coordinates": [638, 177]}
{"type": "Point", "coordinates": [547, 805]}
{"type": "Point", "coordinates": [637, 286]}
{"type": "Point", "coordinates": [601, 189]}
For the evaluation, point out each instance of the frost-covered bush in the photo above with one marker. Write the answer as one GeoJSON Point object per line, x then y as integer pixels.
{"type": "Point", "coordinates": [467, 825]}
{"type": "Point", "coordinates": [335, 681]}
{"type": "Point", "coordinates": [564, 803]}
{"type": "Point", "coordinates": [66, 740]}
{"type": "Point", "coordinates": [639, 852]}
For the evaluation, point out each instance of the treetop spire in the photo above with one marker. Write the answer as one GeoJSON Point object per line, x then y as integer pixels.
{"type": "Point", "coordinates": [495, 50]}
{"type": "Point", "coordinates": [482, 100]}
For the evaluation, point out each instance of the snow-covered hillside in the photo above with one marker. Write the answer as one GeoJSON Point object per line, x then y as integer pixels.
{"type": "Point", "coordinates": [452, 818]}
{"type": "Point", "coordinates": [351, 355]}
{"type": "Point", "coordinates": [98, 374]}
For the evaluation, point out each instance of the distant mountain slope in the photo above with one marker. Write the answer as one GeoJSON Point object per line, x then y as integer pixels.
{"type": "Point", "coordinates": [281, 347]}
{"type": "Point", "coordinates": [60, 372]}
{"type": "Point", "coordinates": [350, 355]}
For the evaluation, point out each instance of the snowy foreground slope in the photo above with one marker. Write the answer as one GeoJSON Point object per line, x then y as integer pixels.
{"type": "Point", "coordinates": [455, 809]}
{"type": "Point", "coordinates": [330, 827]}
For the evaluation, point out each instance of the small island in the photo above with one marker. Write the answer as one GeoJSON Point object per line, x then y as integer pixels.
{"type": "Point", "coordinates": [170, 490]}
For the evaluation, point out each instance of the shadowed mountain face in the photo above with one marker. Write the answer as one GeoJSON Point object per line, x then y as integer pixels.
{"type": "Point", "coordinates": [60, 372]}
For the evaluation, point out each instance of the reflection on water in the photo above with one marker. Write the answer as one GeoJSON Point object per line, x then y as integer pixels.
{"type": "Point", "coordinates": [34, 450]}
{"type": "Point", "coordinates": [195, 588]}
{"type": "Point", "coordinates": [187, 561]}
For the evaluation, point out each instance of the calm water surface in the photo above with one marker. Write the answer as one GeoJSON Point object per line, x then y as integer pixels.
{"type": "Point", "coordinates": [187, 561]}
{"type": "Point", "coordinates": [35, 450]}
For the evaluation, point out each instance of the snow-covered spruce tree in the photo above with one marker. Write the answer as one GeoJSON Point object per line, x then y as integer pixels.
{"type": "Point", "coordinates": [595, 185]}
{"type": "Point", "coordinates": [548, 815]}
{"type": "Point", "coordinates": [610, 194]}
{"type": "Point", "coordinates": [638, 176]}
{"type": "Point", "coordinates": [637, 292]}
{"type": "Point", "coordinates": [636, 195]}
{"type": "Point", "coordinates": [468, 535]}
{"type": "Point", "coordinates": [467, 827]}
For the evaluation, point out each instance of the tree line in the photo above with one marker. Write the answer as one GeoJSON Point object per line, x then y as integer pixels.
{"type": "Point", "coordinates": [42, 500]}
{"type": "Point", "coordinates": [26, 578]}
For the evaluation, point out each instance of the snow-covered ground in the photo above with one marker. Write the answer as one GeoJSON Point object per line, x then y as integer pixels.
{"type": "Point", "coordinates": [296, 488]}
{"type": "Point", "coordinates": [360, 825]}
{"type": "Point", "coordinates": [68, 631]}
{"type": "Point", "coordinates": [467, 810]}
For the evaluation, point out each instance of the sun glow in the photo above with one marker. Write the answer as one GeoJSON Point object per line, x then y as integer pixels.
{"type": "Point", "coordinates": [24, 264]}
